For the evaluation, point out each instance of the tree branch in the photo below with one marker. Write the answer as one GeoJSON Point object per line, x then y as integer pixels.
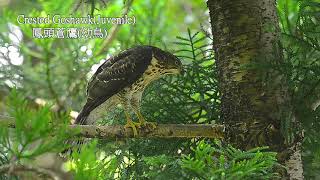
{"type": "Point", "coordinates": [23, 168]}
{"type": "Point", "coordinates": [113, 32]}
{"type": "Point", "coordinates": [161, 131]}
{"type": "Point", "coordinates": [52, 91]}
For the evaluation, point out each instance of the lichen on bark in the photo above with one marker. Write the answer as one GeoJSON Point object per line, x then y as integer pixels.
{"type": "Point", "coordinates": [254, 100]}
{"type": "Point", "coordinates": [245, 42]}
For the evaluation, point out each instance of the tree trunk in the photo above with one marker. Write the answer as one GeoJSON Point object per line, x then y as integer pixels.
{"type": "Point", "coordinates": [255, 102]}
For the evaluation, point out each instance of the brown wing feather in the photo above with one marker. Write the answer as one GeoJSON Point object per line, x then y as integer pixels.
{"type": "Point", "coordinates": [113, 76]}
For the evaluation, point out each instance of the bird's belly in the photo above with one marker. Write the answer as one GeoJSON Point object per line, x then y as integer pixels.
{"type": "Point", "coordinates": [124, 97]}
{"type": "Point", "coordinates": [136, 89]}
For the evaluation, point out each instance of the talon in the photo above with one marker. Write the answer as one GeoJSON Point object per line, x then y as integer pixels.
{"type": "Point", "coordinates": [145, 123]}
{"type": "Point", "coordinates": [148, 124]}
{"type": "Point", "coordinates": [133, 125]}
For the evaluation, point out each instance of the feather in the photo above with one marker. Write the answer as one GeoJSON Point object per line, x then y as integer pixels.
{"type": "Point", "coordinates": [114, 75]}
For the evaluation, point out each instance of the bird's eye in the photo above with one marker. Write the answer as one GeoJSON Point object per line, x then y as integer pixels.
{"type": "Point", "coordinates": [176, 62]}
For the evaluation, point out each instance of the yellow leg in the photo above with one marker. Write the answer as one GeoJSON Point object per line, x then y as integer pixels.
{"type": "Point", "coordinates": [131, 124]}
{"type": "Point", "coordinates": [143, 122]}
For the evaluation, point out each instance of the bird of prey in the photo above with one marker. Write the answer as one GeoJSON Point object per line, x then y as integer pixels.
{"type": "Point", "coordinates": [122, 79]}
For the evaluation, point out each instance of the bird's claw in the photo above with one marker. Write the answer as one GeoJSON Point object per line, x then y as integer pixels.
{"type": "Point", "coordinates": [145, 123]}
{"type": "Point", "coordinates": [149, 124]}
{"type": "Point", "coordinates": [134, 126]}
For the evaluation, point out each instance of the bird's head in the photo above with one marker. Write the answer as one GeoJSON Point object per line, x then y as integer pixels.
{"type": "Point", "coordinates": [170, 63]}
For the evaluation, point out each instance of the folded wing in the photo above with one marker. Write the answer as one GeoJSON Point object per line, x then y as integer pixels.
{"type": "Point", "coordinates": [113, 76]}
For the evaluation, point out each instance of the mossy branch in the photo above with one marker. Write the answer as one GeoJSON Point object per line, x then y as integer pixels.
{"type": "Point", "coordinates": [161, 131]}
{"type": "Point", "coordinates": [18, 168]}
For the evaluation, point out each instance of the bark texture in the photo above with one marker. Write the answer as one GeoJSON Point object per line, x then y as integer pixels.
{"type": "Point", "coordinates": [255, 102]}
{"type": "Point", "coordinates": [161, 131]}
{"type": "Point", "coordinates": [245, 41]}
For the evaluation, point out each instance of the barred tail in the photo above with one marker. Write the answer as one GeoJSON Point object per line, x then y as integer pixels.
{"type": "Point", "coordinates": [81, 118]}
{"type": "Point", "coordinates": [76, 144]}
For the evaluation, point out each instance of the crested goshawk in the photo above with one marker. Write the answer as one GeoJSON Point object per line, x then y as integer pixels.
{"type": "Point", "coordinates": [122, 79]}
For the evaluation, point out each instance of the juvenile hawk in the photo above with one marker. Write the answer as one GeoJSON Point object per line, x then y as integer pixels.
{"type": "Point", "coordinates": [122, 80]}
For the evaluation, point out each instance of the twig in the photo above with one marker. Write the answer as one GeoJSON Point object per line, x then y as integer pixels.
{"type": "Point", "coordinates": [12, 162]}
{"type": "Point", "coordinates": [7, 121]}
{"type": "Point", "coordinates": [104, 3]}
{"type": "Point", "coordinates": [23, 168]}
{"type": "Point", "coordinates": [113, 32]}
{"type": "Point", "coordinates": [32, 53]}
{"type": "Point", "coordinates": [161, 131]}
{"type": "Point", "coordinates": [49, 82]}
{"type": "Point", "coordinates": [77, 6]}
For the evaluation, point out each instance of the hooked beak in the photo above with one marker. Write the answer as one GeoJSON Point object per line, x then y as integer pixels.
{"type": "Point", "coordinates": [175, 70]}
